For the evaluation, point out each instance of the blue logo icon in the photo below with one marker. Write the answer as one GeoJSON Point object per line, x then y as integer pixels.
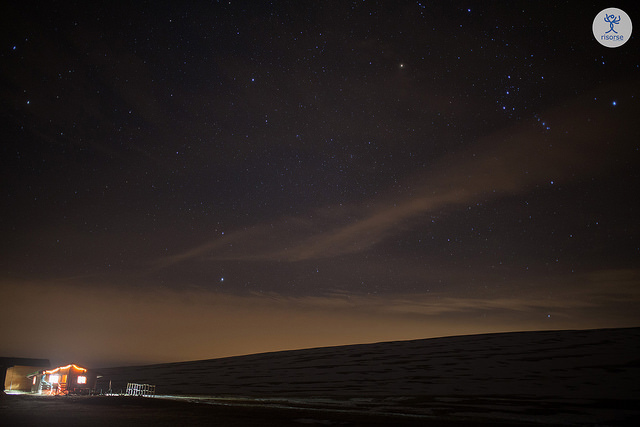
{"type": "Point", "coordinates": [611, 19]}
{"type": "Point", "coordinates": [612, 27]}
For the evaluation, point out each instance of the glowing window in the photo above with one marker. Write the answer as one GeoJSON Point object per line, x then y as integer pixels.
{"type": "Point", "coordinates": [34, 380]}
{"type": "Point", "coordinates": [82, 379]}
{"type": "Point", "coordinates": [54, 379]}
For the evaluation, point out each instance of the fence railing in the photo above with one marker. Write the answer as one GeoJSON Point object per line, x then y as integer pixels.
{"type": "Point", "coordinates": [134, 389]}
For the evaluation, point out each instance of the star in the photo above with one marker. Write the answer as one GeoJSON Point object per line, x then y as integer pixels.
{"type": "Point", "coordinates": [317, 152]}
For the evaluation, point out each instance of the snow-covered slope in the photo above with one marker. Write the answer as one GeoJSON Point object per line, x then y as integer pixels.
{"type": "Point", "coordinates": [586, 371]}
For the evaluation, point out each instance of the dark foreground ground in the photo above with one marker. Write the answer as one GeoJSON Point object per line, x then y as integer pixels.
{"type": "Point", "coordinates": [123, 411]}
{"type": "Point", "coordinates": [544, 378]}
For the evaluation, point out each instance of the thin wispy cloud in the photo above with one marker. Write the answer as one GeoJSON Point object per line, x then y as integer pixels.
{"type": "Point", "coordinates": [556, 147]}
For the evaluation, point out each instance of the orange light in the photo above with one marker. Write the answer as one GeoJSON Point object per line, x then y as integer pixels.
{"type": "Point", "coordinates": [64, 368]}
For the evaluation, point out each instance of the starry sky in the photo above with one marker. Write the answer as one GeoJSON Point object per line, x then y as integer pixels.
{"type": "Point", "coordinates": [190, 180]}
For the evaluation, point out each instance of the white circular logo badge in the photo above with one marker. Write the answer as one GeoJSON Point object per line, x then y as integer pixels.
{"type": "Point", "coordinates": [612, 27]}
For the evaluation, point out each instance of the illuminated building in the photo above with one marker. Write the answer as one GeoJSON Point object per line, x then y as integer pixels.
{"type": "Point", "coordinates": [70, 379]}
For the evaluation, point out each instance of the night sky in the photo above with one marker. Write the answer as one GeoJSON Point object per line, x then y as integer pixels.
{"type": "Point", "coordinates": [190, 180]}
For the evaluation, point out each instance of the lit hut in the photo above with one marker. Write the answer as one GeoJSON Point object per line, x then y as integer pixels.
{"type": "Point", "coordinates": [70, 379]}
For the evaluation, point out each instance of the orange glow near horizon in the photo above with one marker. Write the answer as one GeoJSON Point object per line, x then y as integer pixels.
{"type": "Point", "coordinates": [271, 322]}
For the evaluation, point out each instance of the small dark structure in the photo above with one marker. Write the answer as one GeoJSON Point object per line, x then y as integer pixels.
{"type": "Point", "coordinates": [70, 379]}
{"type": "Point", "coordinates": [15, 371]}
